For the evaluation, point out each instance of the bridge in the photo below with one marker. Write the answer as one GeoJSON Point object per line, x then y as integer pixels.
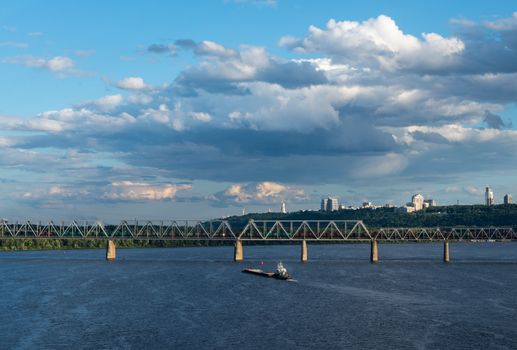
{"type": "Point", "coordinates": [302, 231]}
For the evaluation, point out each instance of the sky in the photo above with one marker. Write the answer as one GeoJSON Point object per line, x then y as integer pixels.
{"type": "Point", "coordinates": [196, 110]}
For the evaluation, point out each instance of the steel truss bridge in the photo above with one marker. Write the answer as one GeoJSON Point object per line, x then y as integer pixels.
{"type": "Point", "coordinates": [253, 230]}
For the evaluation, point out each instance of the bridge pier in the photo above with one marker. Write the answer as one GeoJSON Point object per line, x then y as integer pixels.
{"type": "Point", "coordinates": [446, 257]}
{"type": "Point", "coordinates": [110, 250]}
{"type": "Point", "coordinates": [304, 251]}
{"type": "Point", "coordinates": [237, 253]}
{"type": "Point", "coordinates": [374, 254]}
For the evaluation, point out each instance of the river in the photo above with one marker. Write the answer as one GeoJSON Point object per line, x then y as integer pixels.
{"type": "Point", "coordinates": [197, 298]}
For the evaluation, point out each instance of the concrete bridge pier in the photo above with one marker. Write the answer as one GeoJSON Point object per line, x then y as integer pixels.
{"type": "Point", "coordinates": [304, 251]}
{"type": "Point", "coordinates": [237, 253]}
{"type": "Point", "coordinates": [110, 250]}
{"type": "Point", "coordinates": [446, 257]}
{"type": "Point", "coordinates": [374, 254]}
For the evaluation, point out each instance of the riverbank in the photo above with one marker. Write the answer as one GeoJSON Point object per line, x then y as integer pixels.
{"type": "Point", "coordinates": [10, 244]}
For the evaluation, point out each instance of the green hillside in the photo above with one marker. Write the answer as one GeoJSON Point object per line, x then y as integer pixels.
{"type": "Point", "coordinates": [454, 215]}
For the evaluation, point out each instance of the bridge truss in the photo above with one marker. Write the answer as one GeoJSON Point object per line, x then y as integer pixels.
{"type": "Point", "coordinates": [254, 230]}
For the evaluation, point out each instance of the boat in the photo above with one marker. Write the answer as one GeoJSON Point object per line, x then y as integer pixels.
{"type": "Point", "coordinates": [280, 274]}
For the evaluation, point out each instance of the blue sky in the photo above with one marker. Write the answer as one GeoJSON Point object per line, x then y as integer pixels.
{"type": "Point", "coordinates": [166, 109]}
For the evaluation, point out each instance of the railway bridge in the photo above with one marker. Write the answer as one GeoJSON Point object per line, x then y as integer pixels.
{"type": "Point", "coordinates": [301, 231]}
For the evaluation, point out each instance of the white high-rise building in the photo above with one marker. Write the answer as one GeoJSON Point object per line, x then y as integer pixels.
{"type": "Point", "coordinates": [489, 196]}
{"type": "Point", "coordinates": [508, 199]}
{"type": "Point", "coordinates": [329, 204]}
{"type": "Point", "coordinates": [332, 204]}
{"type": "Point", "coordinates": [418, 202]}
{"type": "Point", "coordinates": [283, 209]}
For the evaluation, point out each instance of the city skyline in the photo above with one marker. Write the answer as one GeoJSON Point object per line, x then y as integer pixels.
{"type": "Point", "coordinates": [200, 112]}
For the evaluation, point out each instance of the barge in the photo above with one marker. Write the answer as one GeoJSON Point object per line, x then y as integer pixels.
{"type": "Point", "coordinates": [280, 274]}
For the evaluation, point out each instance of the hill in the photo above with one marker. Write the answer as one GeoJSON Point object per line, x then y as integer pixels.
{"type": "Point", "coordinates": [454, 215]}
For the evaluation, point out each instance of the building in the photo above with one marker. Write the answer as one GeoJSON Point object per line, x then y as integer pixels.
{"type": "Point", "coordinates": [283, 209]}
{"type": "Point", "coordinates": [508, 199]}
{"type": "Point", "coordinates": [329, 204]}
{"type": "Point", "coordinates": [418, 201]}
{"type": "Point", "coordinates": [430, 203]}
{"type": "Point", "coordinates": [489, 196]}
{"type": "Point", "coordinates": [406, 209]}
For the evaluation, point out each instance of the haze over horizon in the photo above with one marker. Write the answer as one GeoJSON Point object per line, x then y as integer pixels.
{"type": "Point", "coordinates": [171, 110]}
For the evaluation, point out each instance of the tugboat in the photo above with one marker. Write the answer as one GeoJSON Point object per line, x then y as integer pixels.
{"type": "Point", "coordinates": [280, 274]}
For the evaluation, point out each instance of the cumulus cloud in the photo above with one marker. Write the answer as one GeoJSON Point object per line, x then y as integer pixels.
{"type": "Point", "coordinates": [109, 102]}
{"type": "Point", "coordinates": [140, 191]}
{"type": "Point", "coordinates": [263, 192]}
{"type": "Point", "coordinates": [132, 83]}
{"type": "Point", "coordinates": [378, 42]}
{"type": "Point", "coordinates": [57, 195]}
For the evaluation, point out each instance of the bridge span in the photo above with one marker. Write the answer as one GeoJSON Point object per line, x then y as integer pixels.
{"type": "Point", "coordinates": [302, 231]}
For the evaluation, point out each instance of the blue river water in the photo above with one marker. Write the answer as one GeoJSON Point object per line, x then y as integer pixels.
{"type": "Point", "coordinates": [197, 298]}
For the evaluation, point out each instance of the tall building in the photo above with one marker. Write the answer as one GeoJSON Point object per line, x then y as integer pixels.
{"type": "Point", "coordinates": [430, 202]}
{"type": "Point", "coordinates": [418, 202]}
{"type": "Point", "coordinates": [324, 204]}
{"type": "Point", "coordinates": [283, 209]}
{"type": "Point", "coordinates": [508, 199]}
{"type": "Point", "coordinates": [489, 196]}
{"type": "Point", "coordinates": [329, 204]}
{"type": "Point", "coordinates": [332, 204]}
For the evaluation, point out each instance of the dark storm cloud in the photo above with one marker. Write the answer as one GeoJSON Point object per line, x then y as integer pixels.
{"type": "Point", "coordinates": [494, 121]}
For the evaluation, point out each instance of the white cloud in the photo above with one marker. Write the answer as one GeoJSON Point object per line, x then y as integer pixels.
{"type": "Point", "coordinates": [378, 41]}
{"type": "Point", "coordinates": [201, 116]}
{"type": "Point", "coordinates": [456, 133]}
{"type": "Point", "coordinates": [132, 83]}
{"type": "Point", "coordinates": [109, 102]}
{"type": "Point", "coordinates": [57, 64]}
{"type": "Point", "coordinates": [140, 191]}
{"type": "Point", "coordinates": [262, 192]}
{"type": "Point", "coordinates": [503, 24]}
{"type": "Point", "coordinates": [211, 48]}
